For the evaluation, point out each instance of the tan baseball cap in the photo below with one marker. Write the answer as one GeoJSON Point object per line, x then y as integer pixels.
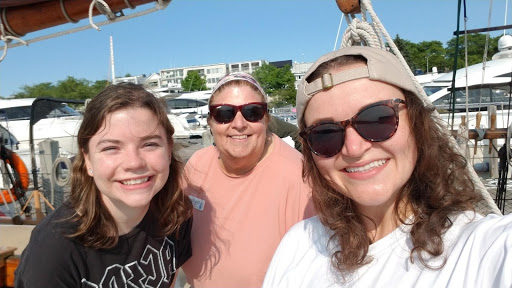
{"type": "Point", "coordinates": [381, 65]}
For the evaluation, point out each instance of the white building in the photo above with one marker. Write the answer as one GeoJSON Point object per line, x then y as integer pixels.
{"type": "Point", "coordinates": [245, 66]}
{"type": "Point", "coordinates": [141, 79]}
{"type": "Point", "coordinates": [211, 73]}
{"type": "Point", "coordinates": [299, 70]}
{"type": "Point", "coordinates": [153, 81]}
{"type": "Point", "coordinates": [169, 80]}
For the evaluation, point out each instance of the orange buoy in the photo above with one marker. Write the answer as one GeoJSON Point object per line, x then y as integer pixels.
{"type": "Point", "coordinates": [21, 177]}
{"type": "Point", "coordinates": [349, 6]}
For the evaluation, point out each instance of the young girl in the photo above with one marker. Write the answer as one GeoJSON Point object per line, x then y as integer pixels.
{"type": "Point", "coordinates": [127, 222]}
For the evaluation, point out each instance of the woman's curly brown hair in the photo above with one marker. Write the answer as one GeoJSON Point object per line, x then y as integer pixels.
{"type": "Point", "coordinates": [439, 187]}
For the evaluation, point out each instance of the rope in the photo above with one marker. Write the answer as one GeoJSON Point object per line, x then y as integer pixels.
{"type": "Point", "coordinates": [373, 35]}
{"type": "Point", "coordinates": [162, 4]}
{"type": "Point", "coordinates": [7, 27]}
{"type": "Point", "coordinates": [78, 29]}
{"type": "Point", "coordinates": [129, 4]}
{"type": "Point", "coordinates": [468, 155]}
{"type": "Point", "coordinates": [338, 34]}
{"type": "Point", "coordinates": [6, 39]}
{"type": "Point", "coordinates": [105, 10]}
{"type": "Point", "coordinates": [486, 48]}
{"type": "Point", "coordinates": [65, 13]}
{"type": "Point", "coordinates": [360, 32]}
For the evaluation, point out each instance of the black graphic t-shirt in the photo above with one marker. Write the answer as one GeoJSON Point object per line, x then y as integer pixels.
{"type": "Point", "coordinates": [140, 259]}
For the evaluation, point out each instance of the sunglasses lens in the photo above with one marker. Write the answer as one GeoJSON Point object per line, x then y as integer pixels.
{"type": "Point", "coordinates": [253, 112]}
{"type": "Point", "coordinates": [326, 139]}
{"type": "Point", "coordinates": [376, 123]}
{"type": "Point", "coordinates": [224, 114]}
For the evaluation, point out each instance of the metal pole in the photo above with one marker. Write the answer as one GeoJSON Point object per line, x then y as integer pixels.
{"type": "Point", "coordinates": [112, 60]}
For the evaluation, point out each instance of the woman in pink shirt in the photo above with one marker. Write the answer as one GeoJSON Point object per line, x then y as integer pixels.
{"type": "Point", "coordinates": [247, 189]}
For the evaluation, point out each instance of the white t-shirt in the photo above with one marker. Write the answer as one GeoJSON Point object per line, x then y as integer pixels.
{"type": "Point", "coordinates": [478, 253]}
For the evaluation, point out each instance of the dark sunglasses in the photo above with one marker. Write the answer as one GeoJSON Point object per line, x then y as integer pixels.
{"type": "Point", "coordinates": [375, 122]}
{"type": "Point", "coordinates": [225, 113]}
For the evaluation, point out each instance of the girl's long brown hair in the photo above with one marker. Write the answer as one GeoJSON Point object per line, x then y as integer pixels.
{"type": "Point", "coordinates": [95, 225]}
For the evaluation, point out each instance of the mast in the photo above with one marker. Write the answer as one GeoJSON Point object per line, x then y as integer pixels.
{"type": "Point", "coordinates": [112, 69]}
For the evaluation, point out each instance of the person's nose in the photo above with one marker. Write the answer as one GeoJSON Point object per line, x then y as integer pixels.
{"type": "Point", "coordinates": [239, 121]}
{"type": "Point", "coordinates": [133, 159]}
{"type": "Point", "coordinates": [355, 145]}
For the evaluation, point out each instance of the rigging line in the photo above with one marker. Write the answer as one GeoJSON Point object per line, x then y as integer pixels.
{"type": "Point", "coordinates": [103, 9]}
{"type": "Point", "coordinates": [65, 13]}
{"type": "Point", "coordinates": [507, 141]}
{"type": "Point", "coordinates": [454, 68]}
{"type": "Point", "coordinates": [466, 66]}
{"type": "Point", "coordinates": [381, 30]}
{"type": "Point", "coordinates": [6, 39]}
{"type": "Point", "coordinates": [486, 49]}
{"type": "Point", "coordinates": [506, 16]}
{"type": "Point", "coordinates": [82, 28]}
{"type": "Point", "coordinates": [338, 34]}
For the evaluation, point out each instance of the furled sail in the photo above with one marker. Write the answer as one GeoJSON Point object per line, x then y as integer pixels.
{"type": "Point", "coordinates": [20, 17]}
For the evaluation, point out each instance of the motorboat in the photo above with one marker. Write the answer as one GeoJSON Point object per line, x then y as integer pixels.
{"type": "Point", "coordinates": [59, 122]}
{"type": "Point", "coordinates": [56, 121]}
{"type": "Point", "coordinates": [486, 84]}
{"type": "Point", "coordinates": [184, 127]}
{"type": "Point", "coordinates": [191, 104]}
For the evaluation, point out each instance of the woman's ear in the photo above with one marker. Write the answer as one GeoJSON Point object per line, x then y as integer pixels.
{"type": "Point", "coordinates": [88, 165]}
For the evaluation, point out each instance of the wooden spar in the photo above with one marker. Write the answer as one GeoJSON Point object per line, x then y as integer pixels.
{"type": "Point", "coordinates": [20, 20]}
{"type": "Point", "coordinates": [489, 134]}
{"type": "Point", "coordinates": [349, 6]}
{"type": "Point", "coordinates": [478, 118]}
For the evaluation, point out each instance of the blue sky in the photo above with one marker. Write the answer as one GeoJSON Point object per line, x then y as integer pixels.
{"type": "Point", "coordinates": [197, 32]}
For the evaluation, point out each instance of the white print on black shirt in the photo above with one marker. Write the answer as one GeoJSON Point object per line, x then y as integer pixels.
{"type": "Point", "coordinates": [154, 269]}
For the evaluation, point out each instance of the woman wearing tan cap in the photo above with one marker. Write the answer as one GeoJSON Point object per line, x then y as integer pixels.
{"type": "Point", "coordinates": [395, 200]}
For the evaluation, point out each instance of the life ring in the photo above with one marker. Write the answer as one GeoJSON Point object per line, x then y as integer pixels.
{"type": "Point", "coordinates": [21, 177]}
{"type": "Point", "coordinates": [58, 178]}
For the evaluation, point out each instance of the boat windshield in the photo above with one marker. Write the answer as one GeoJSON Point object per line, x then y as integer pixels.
{"type": "Point", "coordinates": [478, 99]}
{"type": "Point", "coordinates": [23, 112]}
{"type": "Point", "coordinates": [429, 90]}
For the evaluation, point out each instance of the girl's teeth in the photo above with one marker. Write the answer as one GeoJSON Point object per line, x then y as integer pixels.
{"type": "Point", "coordinates": [135, 181]}
{"type": "Point", "coordinates": [366, 167]}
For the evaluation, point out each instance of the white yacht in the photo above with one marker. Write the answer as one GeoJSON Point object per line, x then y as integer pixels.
{"type": "Point", "coordinates": [58, 122]}
{"type": "Point", "coordinates": [487, 84]}
{"type": "Point", "coordinates": [55, 121]}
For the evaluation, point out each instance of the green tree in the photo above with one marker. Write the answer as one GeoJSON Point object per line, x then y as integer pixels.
{"type": "Point", "coordinates": [70, 88]}
{"type": "Point", "coordinates": [278, 83]}
{"type": "Point", "coordinates": [408, 50]}
{"type": "Point", "coordinates": [476, 46]}
{"type": "Point", "coordinates": [193, 82]}
{"type": "Point", "coordinates": [431, 51]}
{"type": "Point", "coordinates": [97, 86]}
{"type": "Point", "coordinates": [45, 89]}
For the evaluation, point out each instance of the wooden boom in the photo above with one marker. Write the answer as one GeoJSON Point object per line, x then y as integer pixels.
{"type": "Point", "coordinates": [20, 20]}
{"type": "Point", "coordinates": [489, 133]}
